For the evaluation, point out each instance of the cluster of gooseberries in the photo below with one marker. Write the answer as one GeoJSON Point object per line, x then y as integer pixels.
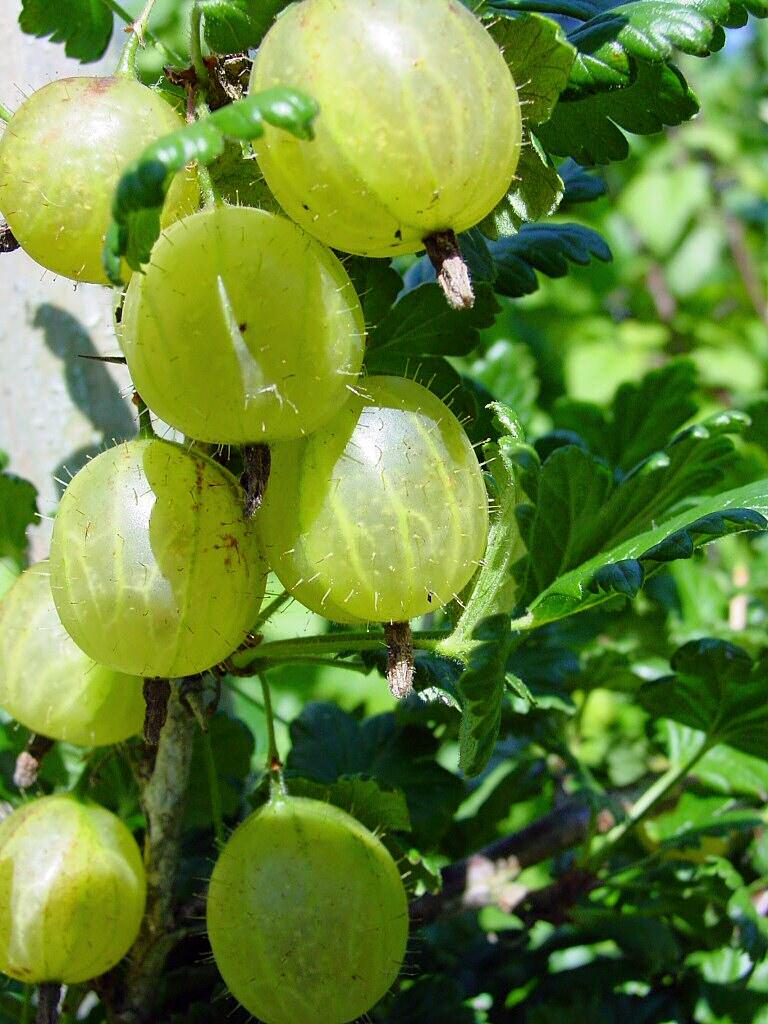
{"type": "Point", "coordinates": [245, 329]}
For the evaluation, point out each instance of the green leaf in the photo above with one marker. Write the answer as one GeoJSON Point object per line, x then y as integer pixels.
{"type": "Point", "coordinates": [548, 248]}
{"type": "Point", "coordinates": [648, 30]}
{"type": "Point", "coordinates": [695, 817]}
{"type": "Point", "coordinates": [377, 285]}
{"type": "Point", "coordinates": [540, 59]}
{"type": "Point", "coordinates": [481, 692]}
{"type": "Point", "coordinates": [141, 191]}
{"type": "Point", "coordinates": [84, 26]}
{"type": "Point", "coordinates": [589, 127]}
{"type": "Point", "coordinates": [580, 187]}
{"type": "Point", "coordinates": [535, 193]}
{"type": "Point", "coordinates": [717, 689]}
{"type": "Point", "coordinates": [232, 744]}
{"type": "Point", "coordinates": [742, 509]}
{"type": "Point", "coordinates": [641, 416]}
{"type": "Point", "coordinates": [422, 324]}
{"type": "Point", "coordinates": [327, 743]}
{"type": "Point", "coordinates": [18, 509]}
{"type": "Point", "coordinates": [233, 26]}
{"type": "Point", "coordinates": [583, 507]}
{"type": "Point", "coordinates": [377, 808]}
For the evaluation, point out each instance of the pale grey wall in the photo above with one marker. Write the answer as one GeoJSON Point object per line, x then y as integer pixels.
{"type": "Point", "coordinates": [55, 408]}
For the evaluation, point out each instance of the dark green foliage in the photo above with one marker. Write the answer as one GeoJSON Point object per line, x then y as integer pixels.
{"type": "Point", "coordinates": [84, 26]}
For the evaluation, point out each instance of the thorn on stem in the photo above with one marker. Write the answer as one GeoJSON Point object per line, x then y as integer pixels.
{"type": "Point", "coordinates": [400, 666]}
{"type": "Point", "coordinates": [258, 463]}
{"type": "Point", "coordinates": [28, 762]}
{"type": "Point", "coordinates": [157, 692]}
{"type": "Point", "coordinates": [452, 272]}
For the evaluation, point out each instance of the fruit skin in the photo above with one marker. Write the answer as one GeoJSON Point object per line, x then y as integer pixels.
{"type": "Point", "coordinates": [419, 128]}
{"type": "Point", "coordinates": [61, 157]}
{"type": "Point", "coordinates": [48, 684]}
{"type": "Point", "coordinates": [382, 514]}
{"type": "Point", "coordinates": [307, 914]}
{"type": "Point", "coordinates": [154, 569]}
{"type": "Point", "coordinates": [72, 891]}
{"type": "Point", "coordinates": [248, 300]}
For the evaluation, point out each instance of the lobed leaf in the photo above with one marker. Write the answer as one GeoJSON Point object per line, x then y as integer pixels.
{"type": "Point", "coordinates": [141, 191]}
{"type": "Point", "coordinates": [18, 510]}
{"type": "Point", "coordinates": [84, 26]}
{"type": "Point", "coordinates": [547, 248]}
{"type": "Point", "coordinates": [232, 26]}
{"type": "Point", "coordinates": [540, 59]}
{"type": "Point", "coordinates": [717, 689]}
{"type": "Point", "coordinates": [328, 744]}
{"type": "Point", "coordinates": [590, 128]}
{"type": "Point", "coordinates": [743, 509]}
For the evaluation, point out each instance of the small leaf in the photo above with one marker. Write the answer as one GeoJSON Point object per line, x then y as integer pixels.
{"type": "Point", "coordinates": [540, 60]}
{"type": "Point", "coordinates": [547, 248]}
{"type": "Point", "coordinates": [141, 191]}
{"type": "Point", "coordinates": [327, 743]}
{"type": "Point", "coordinates": [233, 26]}
{"type": "Point", "coordinates": [421, 323]}
{"type": "Point", "coordinates": [588, 128]}
{"type": "Point", "coordinates": [232, 745]}
{"type": "Point", "coordinates": [717, 689]}
{"type": "Point", "coordinates": [481, 688]}
{"type": "Point", "coordinates": [580, 186]}
{"type": "Point", "coordinates": [535, 193]}
{"type": "Point", "coordinates": [641, 417]}
{"type": "Point", "coordinates": [379, 809]}
{"type": "Point", "coordinates": [18, 509]}
{"type": "Point", "coordinates": [377, 285]}
{"type": "Point", "coordinates": [84, 26]}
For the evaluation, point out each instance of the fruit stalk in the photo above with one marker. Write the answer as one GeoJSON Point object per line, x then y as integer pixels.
{"type": "Point", "coordinates": [452, 272]}
{"type": "Point", "coordinates": [400, 667]}
{"type": "Point", "coordinates": [48, 996]}
{"type": "Point", "coordinates": [163, 800]}
{"type": "Point", "coordinates": [28, 762]}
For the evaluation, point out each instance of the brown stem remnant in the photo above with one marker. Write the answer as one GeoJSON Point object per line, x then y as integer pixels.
{"type": "Point", "coordinates": [28, 762]}
{"type": "Point", "coordinates": [8, 241]}
{"type": "Point", "coordinates": [400, 667]}
{"type": "Point", "coordinates": [157, 692]}
{"type": "Point", "coordinates": [258, 463]}
{"type": "Point", "coordinates": [48, 998]}
{"type": "Point", "coordinates": [452, 272]}
{"type": "Point", "coordinates": [163, 800]}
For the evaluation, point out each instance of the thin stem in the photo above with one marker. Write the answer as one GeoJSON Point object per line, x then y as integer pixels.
{"type": "Point", "coordinates": [274, 764]}
{"type": "Point", "coordinates": [196, 45]}
{"type": "Point", "coordinates": [26, 1007]}
{"type": "Point", "coordinates": [256, 703]}
{"type": "Point", "coordinates": [127, 17]}
{"type": "Point", "coordinates": [5, 113]}
{"type": "Point", "coordinates": [274, 606]}
{"type": "Point", "coordinates": [217, 813]}
{"type": "Point", "coordinates": [644, 805]}
{"type": "Point", "coordinates": [329, 643]}
{"type": "Point", "coordinates": [127, 64]}
{"type": "Point", "coordinates": [146, 430]}
{"type": "Point", "coordinates": [323, 663]}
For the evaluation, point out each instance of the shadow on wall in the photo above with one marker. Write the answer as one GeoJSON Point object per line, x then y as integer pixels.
{"type": "Point", "coordinates": [89, 384]}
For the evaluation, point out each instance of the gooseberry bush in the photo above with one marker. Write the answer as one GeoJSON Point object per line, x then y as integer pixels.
{"type": "Point", "coordinates": [388, 671]}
